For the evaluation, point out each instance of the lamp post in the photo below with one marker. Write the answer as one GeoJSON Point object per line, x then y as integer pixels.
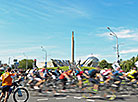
{"type": "Point", "coordinates": [9, 60]}
{"type": "Point", "coordinates": [45, 55]}
{"type": "Point", "coordinates": [117, 45]}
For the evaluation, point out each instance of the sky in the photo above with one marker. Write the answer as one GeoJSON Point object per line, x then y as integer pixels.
{"type": "Point", "coordinates": [26, 25]}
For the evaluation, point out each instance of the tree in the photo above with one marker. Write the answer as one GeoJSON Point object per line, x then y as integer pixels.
{"type": "Point", "coordinates": [132, 61]}
{"type": "Point", "coordinates": [103, 64]}
{"type": "Point", "coordinates": [22, 63]}
{"type": "Point", "coordinates": [136, 59]}
{"type": "Point", "coordinates": [109, 65]}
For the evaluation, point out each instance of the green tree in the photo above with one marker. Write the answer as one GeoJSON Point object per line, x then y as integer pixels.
{"type": "Point", "coordinates": [29, 62]}
{"type": "Point", "coordinates": [109, 65]}
{"type": "Point", "coordinates": [128, 65]}
{"type": "Point", "coordinates": [136, 59]}
{"type": "Point", "coordinates": [132, 61]}
{"type": "Point", "coordinates": [103, 64]}
{"type": "Point", "coordinates": [123, 65]}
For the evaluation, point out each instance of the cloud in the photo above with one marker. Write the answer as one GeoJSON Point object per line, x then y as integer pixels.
{"type": "Point", "coordinates": [129, 51]}
{"type": "Point", "coordinates": [63, 8]}
{"type": "Point", "coordinates": [70, 10]}
{"type": "Point", "coordinates": [17, 50]}
{"type": "Point", "coordinates": [122, 33]}
{"type": "Point", "coordinates": [45, 10]}
{"type": "Point", "coordinates": [126, 34]}
{"type": "Point", "coordinates": [22, 50]}
{"type": "Point", "coordinates": [24, 10]}
{"type": "Point", "coordinates": [83, 58]}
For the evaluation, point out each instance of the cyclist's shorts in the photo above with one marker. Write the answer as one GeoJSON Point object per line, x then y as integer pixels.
{"type": "Point", "coordinates": [30, 78]}
{"type": "Point", "coordinates": [106, 77]}
{"type": "Point", "coordinates": [117, 79]}
{"type": "Point", "coordinates": [135, 76]}
{"type": "Point", "coordinates": [38, 79]}
{"type": "Point", "coordinates": [131, 77]}
{"type": "Point", "coordinates": [79, 77]}
{"type": "Point", "coordinates": [63, 80]}
{"type": "Point", "coordinates": [94, 81]}
{"type": "Point", "coordinates": [53, 76]}
{"type": "Point", "coordinates": [5, 88]}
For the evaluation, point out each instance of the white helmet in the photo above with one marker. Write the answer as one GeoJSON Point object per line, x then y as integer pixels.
{"type": "Point", "coordinates": [1, 68]}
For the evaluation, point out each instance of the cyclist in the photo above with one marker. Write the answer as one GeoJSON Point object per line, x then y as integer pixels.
{"type": "Point", "coordinates": [94, 75]}
{"type": "Point", "coordinates": [64, 76]}
{"type": "Point", "coordinates": [106, 73]}
{"type": "Point", "coordinates": [132, 75]}
{"type": "Point", "coordinates": [118, 76]}
{"type": "Point", "coordinates": [34, 75]}
{"type": "Point", "coordinates": [136, 76]}
{"type": "Point", "coordinates": [79, 74]}
{"type": "Point", "coordinates": [1, 71]}
{"type": "Point", "coordinates": [38, 78]}
{"type": "Point", "coordinates": [57, 71]}
{"type": "Point", "coordinates": [30, 76]}
{"type": "Point", "coordinates": [6, 83]}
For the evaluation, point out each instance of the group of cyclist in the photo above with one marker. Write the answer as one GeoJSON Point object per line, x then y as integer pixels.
{"type": "Point", "coordinates": [97, 76]}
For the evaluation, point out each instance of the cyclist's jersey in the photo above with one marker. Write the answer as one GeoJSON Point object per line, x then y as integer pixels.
{"type": "Point", "coordinates": [130, 74]}
{"type": "Point", "coordinates": [93, 72]}
{"type": "Point", "coordinates": [6, 79]}
{"type": "Point", "coordinates": [79, 73]}
{"type": "Point", "coordinates": [117, 73]}
{"type": "Point", "coordinates": [57, 73]}
{"type": "Point", "coordinates": [1, 73]}
{"type": "Point", "coordinates": [106, 72]}
{"type": "Point", "coordinates": [37, 74]}
{"type": "Point", "coordinates": [62, 76]}
{"type": "Point", "coordinates": [45, 73]}
{"type": "Point", "coordinates": [29, 73]}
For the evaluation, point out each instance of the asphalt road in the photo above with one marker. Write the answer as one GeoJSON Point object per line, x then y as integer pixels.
{"type": "Point", "coordinates": [74, 97]}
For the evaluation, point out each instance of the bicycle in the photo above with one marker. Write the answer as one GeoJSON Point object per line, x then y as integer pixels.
{"type": "Point", "coordinates": [20, 94]}
{"type": "Point", "coordinates": [105, 91]}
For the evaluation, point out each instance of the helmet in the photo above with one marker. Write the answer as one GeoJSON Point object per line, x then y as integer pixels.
{"type": "Point", "coordinates": [43, 70]}
{"type": "Point", "coordinates": [1, 68]}
{"type": "Point", "coordinates": [70, 71]}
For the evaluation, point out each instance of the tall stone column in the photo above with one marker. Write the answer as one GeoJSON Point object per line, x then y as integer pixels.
{"type": "Point", "coordinates": [72, 52]}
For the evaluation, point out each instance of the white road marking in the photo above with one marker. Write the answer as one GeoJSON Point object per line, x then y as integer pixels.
{"type": "Point", "coordinates": [125, 95]}
{"type": "Point", "coordinates": [62, 98]}
{"type": "Point", "coordinates": [72, 90]}
{"type": "Point", "coordinates": [57, 93]}
{"type": "Point", "coordinates": [90, 100]}
{"type": "Point", "coordinates": [67, 96]}
{"type": "Point", "coordinates": [78, 97]}
{"type": "Point", "coordinates": [96, 96]}
{"type": "Point", "coordinates": [43, 99]}
{"type": "Point", "coordinates": [48, 92]}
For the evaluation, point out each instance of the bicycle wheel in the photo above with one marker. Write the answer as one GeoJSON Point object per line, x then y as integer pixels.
{"type": "Point", "coordinates": [87, 92]}
{"type": "Point", "coordinates": [133, 89]}
{"type": "Point", "coordinates": [109, 94]}
{"type": "Point", "coordinates": [20, 95]}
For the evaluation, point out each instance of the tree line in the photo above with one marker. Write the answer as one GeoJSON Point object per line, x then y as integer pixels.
{"type": "Point", "coordinates": [125, 65]}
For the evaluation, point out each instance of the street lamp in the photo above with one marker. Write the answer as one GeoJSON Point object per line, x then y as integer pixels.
{"type": "Point", "coordinates": [26, 61]}
{"type": "Point", "coordinates": [45, 55]}
{"type": "Point", "coordinates": [9, 61]}
{"type": "Point", "coordinates": [117, 45]}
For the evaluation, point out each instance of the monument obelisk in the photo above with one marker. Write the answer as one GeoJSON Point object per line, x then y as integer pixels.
{"type": "Point", "coordinates": [72, 51]}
